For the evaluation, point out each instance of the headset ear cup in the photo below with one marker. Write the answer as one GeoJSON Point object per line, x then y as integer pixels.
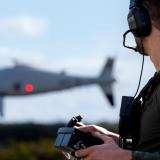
{"type": "Point", "coordinates": [139, 22]}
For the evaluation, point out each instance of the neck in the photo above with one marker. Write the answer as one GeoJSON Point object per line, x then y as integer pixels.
{"type": "Point", "coordinates": [156, 61]}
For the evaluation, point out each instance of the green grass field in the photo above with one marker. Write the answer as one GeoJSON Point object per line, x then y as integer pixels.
{"type": "Point", "coordinates": [40, 150]}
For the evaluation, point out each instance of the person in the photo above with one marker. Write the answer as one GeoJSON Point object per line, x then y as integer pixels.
{"type": "Point", "coordinates": [148, 148]}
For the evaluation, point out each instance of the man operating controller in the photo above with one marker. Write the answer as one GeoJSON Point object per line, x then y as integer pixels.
{"type": "Point", "coordinates": [144, 24]}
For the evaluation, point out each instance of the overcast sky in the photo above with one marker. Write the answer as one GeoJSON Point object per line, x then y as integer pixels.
{"type": "Point", "coordinates": [75, 36]}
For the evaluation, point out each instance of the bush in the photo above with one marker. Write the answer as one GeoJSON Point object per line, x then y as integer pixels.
{"type": "Point", "coordinates": [41, 150]}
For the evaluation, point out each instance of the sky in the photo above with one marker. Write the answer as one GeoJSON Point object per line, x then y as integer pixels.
{"type": "Point", "coordinates": [72, 36]}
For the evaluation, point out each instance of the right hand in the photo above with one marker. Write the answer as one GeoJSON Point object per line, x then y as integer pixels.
{"type": "Point", "coordinates": [93, 129]}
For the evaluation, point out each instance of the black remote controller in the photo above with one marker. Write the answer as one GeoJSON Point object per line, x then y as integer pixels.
{"type": "Point", "coordinates": [70, 139]}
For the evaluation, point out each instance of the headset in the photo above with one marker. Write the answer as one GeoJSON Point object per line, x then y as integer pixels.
{"type": "Point", "coordinates": [140, 25]}
{"type": "Point", "coordinates": [139, 20]}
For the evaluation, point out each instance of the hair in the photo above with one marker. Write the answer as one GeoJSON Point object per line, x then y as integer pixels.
{"type": "Point", "coordinates": [153, 7]}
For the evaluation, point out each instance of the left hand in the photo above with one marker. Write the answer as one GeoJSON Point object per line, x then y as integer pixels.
{"type": "Point", "coordinates": [107, 151]}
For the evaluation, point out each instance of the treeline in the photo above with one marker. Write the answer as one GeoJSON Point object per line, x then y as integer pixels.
{"type": "Point", "coordinates": [29, 142]}
{"type": "Point", "coordinates": [34, 132]}
{"type": "Point", "coordinates": [32, 141]}
{"type": "Point", "coordinates": [28, 132]}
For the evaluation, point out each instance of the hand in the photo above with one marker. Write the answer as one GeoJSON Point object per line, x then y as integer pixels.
{"type": "Point", "coordinates": [107, 151]}
{"type": "Point", "coordinates": [93, 128]}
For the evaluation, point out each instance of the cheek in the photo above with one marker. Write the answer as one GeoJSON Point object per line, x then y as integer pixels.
{"type": "Point", "coordinates": [139, 44]}
{"type": "Point", "coordinates": [145, 44]}
{"type": "Point", "coordinates": [138, 41]}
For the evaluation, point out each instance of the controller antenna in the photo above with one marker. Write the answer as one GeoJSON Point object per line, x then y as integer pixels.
{"type": "Point", "coordinates": [74, 120]}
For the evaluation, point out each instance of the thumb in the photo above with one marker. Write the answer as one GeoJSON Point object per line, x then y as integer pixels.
{"type": "Point", "coordinates": [101, 136]}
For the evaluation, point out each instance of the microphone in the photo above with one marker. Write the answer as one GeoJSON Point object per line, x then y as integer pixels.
{"type": "Point", "coordinates": [124, 41]}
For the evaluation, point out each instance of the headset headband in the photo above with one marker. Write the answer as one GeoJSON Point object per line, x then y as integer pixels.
{"type": "Point", "coordinates": [135, 3]}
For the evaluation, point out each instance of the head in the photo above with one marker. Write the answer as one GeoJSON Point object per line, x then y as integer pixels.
{"type": "Point", "coordinates": [144, 20]}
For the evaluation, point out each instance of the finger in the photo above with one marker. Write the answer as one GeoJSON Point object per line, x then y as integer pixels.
{"type": "Point", "coordinates": [83, 152]}
{"type": "Point", "coordinates": [103, 137]}
{"type": "Point", "coordinates": [86, 158]}
{"type": "Point", "coordinates": [79, 124]}
{"type": "Point", "coordinates": [87, 128]}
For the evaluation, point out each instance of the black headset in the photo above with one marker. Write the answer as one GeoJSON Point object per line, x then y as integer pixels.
{"type": "Point", "coordinates": [139, 20]}
{"type": "Point", "coordinates": [140, 25]}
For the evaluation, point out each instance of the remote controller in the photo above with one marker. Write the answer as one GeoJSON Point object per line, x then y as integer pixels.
{"type": "Point", "coordinates": [70, 139]}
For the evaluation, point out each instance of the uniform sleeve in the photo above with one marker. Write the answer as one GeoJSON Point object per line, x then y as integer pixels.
{"type": "Point", "coordinates": [137, 155]}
